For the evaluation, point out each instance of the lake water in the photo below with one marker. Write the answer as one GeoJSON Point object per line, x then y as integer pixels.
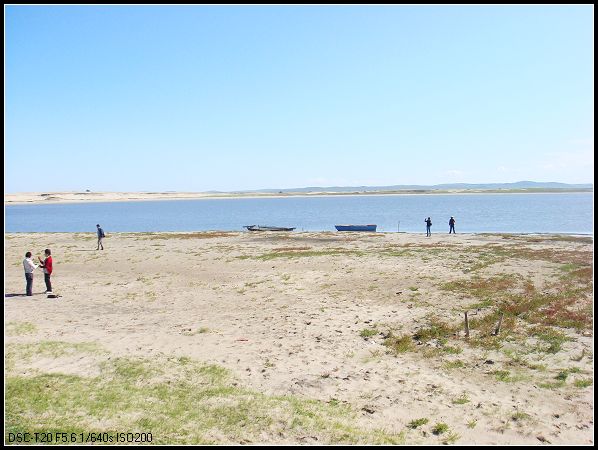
{"type": "Point", "coordinates": [474, 213]}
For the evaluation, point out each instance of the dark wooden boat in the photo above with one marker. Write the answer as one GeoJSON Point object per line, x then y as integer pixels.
{"type": "Point", "coordinates": [355, 227]}
{"type": "Point", "coordinates": [267, 228]}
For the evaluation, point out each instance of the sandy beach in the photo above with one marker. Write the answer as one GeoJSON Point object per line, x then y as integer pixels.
{"type": "Point", "coordinates": [36, 198]}
{"type": "Point", "coordinates": [303, 338]}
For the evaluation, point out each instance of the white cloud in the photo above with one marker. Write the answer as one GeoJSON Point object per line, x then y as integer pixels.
{"type": "Point", "coordinates": [575, 165]}
{"type": "Point", "coordinates": [569, 159]}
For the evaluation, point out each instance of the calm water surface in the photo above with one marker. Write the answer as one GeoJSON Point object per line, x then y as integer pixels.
{"type": "Point", "coordinates": [508, 213]}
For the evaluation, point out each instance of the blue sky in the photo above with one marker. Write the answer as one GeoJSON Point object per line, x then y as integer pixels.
{"type": "Point", "coordinates": [197, 98]}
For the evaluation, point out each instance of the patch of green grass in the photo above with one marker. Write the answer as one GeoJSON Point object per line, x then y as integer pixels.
{"type": "Point", "coordinates": [566, 302]}
{"type": "Point", "coordinates": [131, 370]}
{"type": "Point", "coordinates": [52, 349]}
{"type": "Point", "coordinates": [506, 376]}
{"type": "Point", "coordinates": [417, 423]}
{"type": "Point", "coordinates": [437, 330]}
{"type": "Point", "coordinates": [576, 239]}
{"type": "Point", "coordinates": [183, 360]}
{"type": "Point", "coordinates": [482, 288]}
{"type": "Point", "coordinates": [570, 267]}
{"type": "Point", "coordinates": [562, 376]}
{"type": "Point", "coordinates": [461, 400]}
{"type": "Point", "coordinates": [487, 258]}
{"type": "Point", "coordinates": [519, 416]}
{"type": "Point", "coordinates": [518, 360]}
{"type": "Point", "coordinates": [180, 401]}
{"type": "Point", "coordinates": [451, 350]}
{"type": "Point", "coordinates": [451, 438]}
{"type": "Point", "coordinates": [399, 344]}
{"type": "Point", "coordinates": [399, 253]}
{"type": "Point", "coordinates": [583, 383]}
{"type": "Point", "coordinates": [47, 349]}
{"type": "Point", "coordinates": [304, 254]}
{"type": "Point", "coordinates": [454, 364]}
{"type": "Point", "coordinates": [368, 332]}
{"type": "Point", "coordinates": [552, 385]}
{"type": "Point", "coordinates": [485, 303]}
{"type": "Point", "coordinates": [471, 424]}
{"type": "Point", "coordinates": [20, 328]}
{"type": "Point", "coordinates": [552, 339]}
{"type": "Point", "coordinates": [440, 428]}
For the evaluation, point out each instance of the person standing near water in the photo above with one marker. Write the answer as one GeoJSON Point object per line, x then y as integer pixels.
{"type": "Point", "coordinates": [101, 237]}
{"type": "Point", "coordinates": [428, 226]}
{"type": "Point", "coordinates": [452, 225]}
{"type": "Point", "coordinates": [29, 266]}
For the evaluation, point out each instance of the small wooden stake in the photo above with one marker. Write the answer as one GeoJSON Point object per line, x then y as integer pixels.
{"type": "Point", "coordinates": [466, 325]}
{"type": "Point", "coordinates": [499, 324]}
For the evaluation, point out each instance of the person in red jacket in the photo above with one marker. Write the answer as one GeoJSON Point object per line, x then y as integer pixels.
{"type": "Point", "coordinates": [47, 265]}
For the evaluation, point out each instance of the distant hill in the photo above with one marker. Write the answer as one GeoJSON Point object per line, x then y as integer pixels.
{"type": "Point", "coordinates": [436, 187]}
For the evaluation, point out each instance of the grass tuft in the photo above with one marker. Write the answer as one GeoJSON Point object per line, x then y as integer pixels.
{"type": "Point", "coordinates": [417, 423]}
{"type": "Point", "coordinates": [399, 344]}
{"type": "Point", "coordinates": [440, 428]}
{"type": "Point", "coordinates": [368, 332]}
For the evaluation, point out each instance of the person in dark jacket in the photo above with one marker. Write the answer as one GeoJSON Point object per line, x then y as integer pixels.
{"type": "Point", "coordinates": [452, 225]}
{"type": "Point", "coordinates": [101, 237]}
{"type": "Point", "coordinates": [428, 226]}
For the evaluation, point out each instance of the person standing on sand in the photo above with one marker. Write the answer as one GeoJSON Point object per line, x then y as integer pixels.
{"type": "Point", "coordinates": [101, 237]}
{"type": "Point", "coordinates": [47, 265]}
{"type": "Point", "coordinates": [428, 226]}
{"type": "Point", "coordinates": [452, 225]}
{"type": "Point", "coordinates": [29, 266]}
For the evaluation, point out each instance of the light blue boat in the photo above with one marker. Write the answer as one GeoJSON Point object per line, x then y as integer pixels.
{"type": "Point", "coordinates": [355, 227]}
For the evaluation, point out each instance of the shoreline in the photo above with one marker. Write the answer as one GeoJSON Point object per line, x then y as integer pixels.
{"type": "Point", "coordinates": [340, 233]}
{"type": "Point", "coordinates": [36, 198]}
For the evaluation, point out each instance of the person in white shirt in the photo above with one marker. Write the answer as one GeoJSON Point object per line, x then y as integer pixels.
{"type": "Point", "coordinates": [29, 266]}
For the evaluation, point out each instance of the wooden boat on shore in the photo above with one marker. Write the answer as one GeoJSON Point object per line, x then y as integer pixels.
{"type": "Point", "coordinates": [267, 228]}
{"type": "Point", "coordinates": [355, 227]}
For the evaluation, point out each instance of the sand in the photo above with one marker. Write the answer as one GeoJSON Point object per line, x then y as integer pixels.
{"type": "Point", "coordinates": [23, 198]}
{"type": "Point", "coordinates": [286, 314]}
{"type": "Point", "coordinates": [85, 197]}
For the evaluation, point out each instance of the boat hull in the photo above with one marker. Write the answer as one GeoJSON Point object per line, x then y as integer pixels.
{"type": "Point", "coordinates": [267, 228]}
{"type": "Point", "coordinates": [355, 227]}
